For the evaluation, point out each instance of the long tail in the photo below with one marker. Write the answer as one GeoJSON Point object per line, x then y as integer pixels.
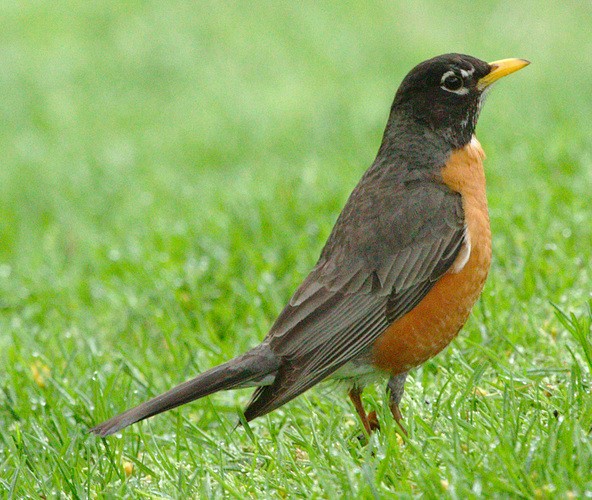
{"type": "Point", "coordinates": [251, 366]}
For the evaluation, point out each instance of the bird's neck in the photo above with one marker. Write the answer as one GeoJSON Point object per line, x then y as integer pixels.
{"type": "Point", "coordinates": [408, 142]}
{"type": "Point", "coordinates": [404, 128]}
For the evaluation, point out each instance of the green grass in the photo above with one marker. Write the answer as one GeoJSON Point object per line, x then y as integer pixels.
{"type": "Point", "coordinates": [170, 171]}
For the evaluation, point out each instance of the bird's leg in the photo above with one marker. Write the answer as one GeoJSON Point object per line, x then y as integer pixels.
{"type": "Point", "coordinates": [369, 421]}
{"type": "Point", "coordinates": [396, 388]}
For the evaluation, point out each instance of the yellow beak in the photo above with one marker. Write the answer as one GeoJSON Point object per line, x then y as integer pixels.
{"type": "Point", "coordinates": [499, 69]}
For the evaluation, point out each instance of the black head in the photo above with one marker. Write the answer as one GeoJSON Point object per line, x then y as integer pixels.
{"type": "Point", "coordinates": [445, 94]}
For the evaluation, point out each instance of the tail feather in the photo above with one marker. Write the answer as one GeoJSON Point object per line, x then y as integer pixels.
{"type": "Point", "coordinates": [250, 366]}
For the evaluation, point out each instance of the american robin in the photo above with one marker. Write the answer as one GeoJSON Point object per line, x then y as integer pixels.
{"type": "Point", "coordinates": [402, 268]}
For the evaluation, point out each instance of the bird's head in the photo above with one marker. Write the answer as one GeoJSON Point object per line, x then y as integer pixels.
{"type": "Point", "coordinates": [446, 93]}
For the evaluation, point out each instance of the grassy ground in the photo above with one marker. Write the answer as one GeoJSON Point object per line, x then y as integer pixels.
{"type": "Point", "coordinates": [170, 171]}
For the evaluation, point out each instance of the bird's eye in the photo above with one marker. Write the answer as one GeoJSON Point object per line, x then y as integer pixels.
{"type": "Point", "coordinates": [452, 82]}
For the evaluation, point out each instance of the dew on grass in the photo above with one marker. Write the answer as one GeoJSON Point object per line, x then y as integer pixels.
{"type": "Point", "coordinates": [5, 270]}
{"type": "Point", "coordinates": [114, 254]}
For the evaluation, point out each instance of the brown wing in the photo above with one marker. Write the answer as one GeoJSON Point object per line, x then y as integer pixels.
{"type": "Point", "coordinates": [388, 248]}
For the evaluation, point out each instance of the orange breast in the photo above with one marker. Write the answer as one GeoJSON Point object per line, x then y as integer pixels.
{"type": "Point", "coordinates": [434, 322]}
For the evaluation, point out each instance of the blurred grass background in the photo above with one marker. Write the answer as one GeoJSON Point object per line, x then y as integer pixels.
{"type": "Point", "coordinates": [169, 174]}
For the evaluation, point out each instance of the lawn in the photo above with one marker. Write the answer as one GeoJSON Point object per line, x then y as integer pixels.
{"type": "Point", "coordinates": [170, 172]}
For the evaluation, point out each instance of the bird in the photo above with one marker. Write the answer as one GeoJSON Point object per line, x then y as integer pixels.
{"type": "Point", "coordinates": [401, 270]}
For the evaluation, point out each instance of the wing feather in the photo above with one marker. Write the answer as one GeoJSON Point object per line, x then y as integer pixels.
{"type": "Point", "coordinates": [375, 268]}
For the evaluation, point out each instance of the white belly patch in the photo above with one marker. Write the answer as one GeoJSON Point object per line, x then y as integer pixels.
{"type": "Point", "coordinates": [463, 256]}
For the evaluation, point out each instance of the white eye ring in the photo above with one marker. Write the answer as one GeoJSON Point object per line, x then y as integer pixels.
{"type": "Point", "coordinates": [462, 90]}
